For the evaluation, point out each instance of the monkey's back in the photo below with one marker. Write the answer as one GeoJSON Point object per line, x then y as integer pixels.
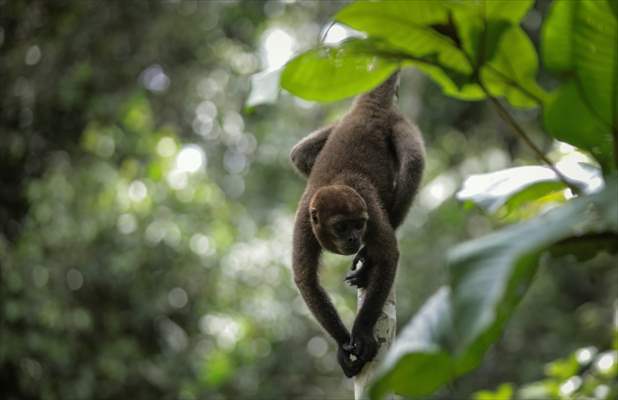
{"type": "Point", "coordinates": [359, 153]}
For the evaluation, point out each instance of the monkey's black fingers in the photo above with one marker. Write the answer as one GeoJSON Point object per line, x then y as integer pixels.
{"type": "Point", "coordinates": [365, 347]}
{"type": "Point", "coordinates": [360, 257]}
{"type": "Point", "coordinates": [350, 363]}
{"type": "Point", "coordinates": [358, 278]}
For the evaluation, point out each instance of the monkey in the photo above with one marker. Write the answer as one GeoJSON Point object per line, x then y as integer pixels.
{"type": "Point", "coordinates": [362, 172]}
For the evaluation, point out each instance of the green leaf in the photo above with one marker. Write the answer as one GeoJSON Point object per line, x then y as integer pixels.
{"type": "Point", "coordinates": [595, 50]}
{"type": "Point", "coordinates": [493, 190]}
{"type": "Point", "coordinates": [500, 50]}
{"type": "Point", "coordinates": [504, 392]}
{"type": "Point", "coordinates": [452, 84]}
{"type": "Point", "coordinates": [581, 39]}
{"type": "Point", "coordinates": [508, 10]}
{"type": "Point", "coordinates": [334, 73]}
{"type": "Point", "coordinates": [556, 36]}
{"type": "Point", "coordinates": [489, 276]}
{"type": "Point", "coordinates": [515, 186]}
{"type": "Point", "coordinates": [513, 11]}
{"type": "Point", "coordinates": [570, 120]}
{"type": "Point", "coordinates": [512, 71]}
{"type": "Point", "coordinates": [410, 28]}
{"type": "Point", "coordinates": [563, 368]}
{"type": "Point", "coordinates": [424, 32]}
{"type": "Point", "coordinates": [419, 362]}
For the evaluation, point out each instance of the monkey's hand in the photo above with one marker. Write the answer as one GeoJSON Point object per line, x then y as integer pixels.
{"type": "Point", "coordinates": [349, 362]}
{"type": "Point", "coordinates": [359, 275]}
{"type": "Point", "coordinates": [364, 346]}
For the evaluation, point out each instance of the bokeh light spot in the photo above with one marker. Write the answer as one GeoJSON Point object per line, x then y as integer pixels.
{"type": "Point", "coordinates": [137, 191]}
{"type": "Point", "coordinates": [177, 298]}
{"type": "Point", "coordinates": [75, 280]}
{"type": "Point", "coordinates": [278, 47]}
{"type": "Point", "coordinates": [166, 147]}
{"type": "Point", "coordinates": [190, 159]}
{"type": "Point", "coordinates": [317, 347]}
{"type": "Point", "coordinates": [126, 223]}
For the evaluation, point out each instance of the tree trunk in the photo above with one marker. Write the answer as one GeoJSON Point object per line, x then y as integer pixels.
{"type": "Point", "coordinates": [384, 332]}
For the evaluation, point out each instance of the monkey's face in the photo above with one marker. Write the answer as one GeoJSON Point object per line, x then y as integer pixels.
{"type": "Point", "coordinates": [347, 234]}
{"type": "Point", "coordinates": [339, 219]}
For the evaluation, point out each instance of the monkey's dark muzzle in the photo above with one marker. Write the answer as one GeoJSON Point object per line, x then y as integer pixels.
{"type": "Point", "coordinates": [350, 247]}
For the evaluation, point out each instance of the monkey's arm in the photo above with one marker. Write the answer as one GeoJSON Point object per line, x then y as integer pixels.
{"type": "Point", "coordinates": [305, 152]}
{"type": "Point", "coordinates": [409, 149]}
{"type": "Point", "coordinates": [382, 257]}
{"type": "Point", "coordinates": [305, 260]}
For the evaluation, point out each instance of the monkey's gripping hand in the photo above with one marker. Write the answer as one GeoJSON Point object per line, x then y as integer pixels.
{"type": "Point", "coordinates": [349, 362]}
{"type": "Point", "coordinates": [364, 346]}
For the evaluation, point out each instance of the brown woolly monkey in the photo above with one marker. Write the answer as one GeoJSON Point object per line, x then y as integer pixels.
{"type": "Point", "coordinates": [363, 172]}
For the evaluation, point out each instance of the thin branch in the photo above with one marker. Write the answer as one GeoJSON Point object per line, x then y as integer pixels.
{"type": "Point", "coordinates": [504, 114]}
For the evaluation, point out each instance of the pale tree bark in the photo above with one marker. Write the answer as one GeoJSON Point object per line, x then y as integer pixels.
{"type": "Point", "coordinates": [384, 332]}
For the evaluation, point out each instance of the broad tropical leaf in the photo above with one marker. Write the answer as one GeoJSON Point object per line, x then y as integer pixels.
{"type": "Point", "coordinates": [413, 28]}
{"type": "Point", "coordinates": [579, 40]}
{"type": "Point", "coordinates": [334, 73]}
{"type": "Point", "coordinates": [419, 361]}
{"type": "Point", "coordinates": [489, 276]}
{"type": "Point", "coordinates": [493, 190]}
{"type": "Point", "coordinates": [512, 71]}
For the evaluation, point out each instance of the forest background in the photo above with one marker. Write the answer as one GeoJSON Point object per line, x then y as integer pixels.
{"type": "Point", "coordinates": [146, 212]}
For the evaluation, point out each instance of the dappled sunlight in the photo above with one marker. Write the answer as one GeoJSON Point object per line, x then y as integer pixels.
{"type": "Point", "coordinates": [437, 191]}
{"type": "Point", "coordinates": [277, 48]}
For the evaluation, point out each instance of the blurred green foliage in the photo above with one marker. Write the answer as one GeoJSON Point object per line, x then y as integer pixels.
{"type": "Point", "coordinates": [145, 217]}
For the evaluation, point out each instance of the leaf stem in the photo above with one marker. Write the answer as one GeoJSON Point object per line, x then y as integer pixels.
{"type": "Point", "coordinates": [506, 116]}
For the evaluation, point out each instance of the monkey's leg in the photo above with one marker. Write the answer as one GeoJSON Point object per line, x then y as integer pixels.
{"type": "Point", "coordinates": [306, 258]}
{"type": "Point", "coordinates": [305, 152]}
{"type": "Point", "coordinates": [409, 148]}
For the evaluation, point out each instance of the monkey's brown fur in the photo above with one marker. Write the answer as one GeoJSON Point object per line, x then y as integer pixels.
{"type": "Point", "coordinates": [366, 167]}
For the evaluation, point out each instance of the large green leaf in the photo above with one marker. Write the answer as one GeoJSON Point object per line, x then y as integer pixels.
{"type": "Point", "coordinates": [569, 119]}
{"type": "Point", "coordinates": [500, 50]}
{"type": "Point", "coordinates": [580, 39]}
{"type": "Point", "coordinates": [557, 36]}
{"type": "Point", "coordinates": [489, 276]}
{"type": "Point", "coordinates": [512, 71]}
{"type": "Point", "coordinates": [334, 73]}
{"type": "Point", "coordinates": [411, 28]}
{"type": "Point", "coordinates": [423, 32]}
{"type": "Point", "coordinates": [509, 10]}
{"type": "Point", "coordinates": [419, 360]}
{"type": "Point", "coordinates": [494, 190]}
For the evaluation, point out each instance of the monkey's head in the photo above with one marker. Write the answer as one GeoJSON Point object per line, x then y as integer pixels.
{"type": "Point", "coordinates": [339, 218]}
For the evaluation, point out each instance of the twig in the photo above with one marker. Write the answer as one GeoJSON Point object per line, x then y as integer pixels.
{"type": "Point", "coordinates": [504, 114]}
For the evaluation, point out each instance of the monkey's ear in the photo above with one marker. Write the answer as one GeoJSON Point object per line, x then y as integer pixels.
{"type": "Point", "coordinates": [314, 215]}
